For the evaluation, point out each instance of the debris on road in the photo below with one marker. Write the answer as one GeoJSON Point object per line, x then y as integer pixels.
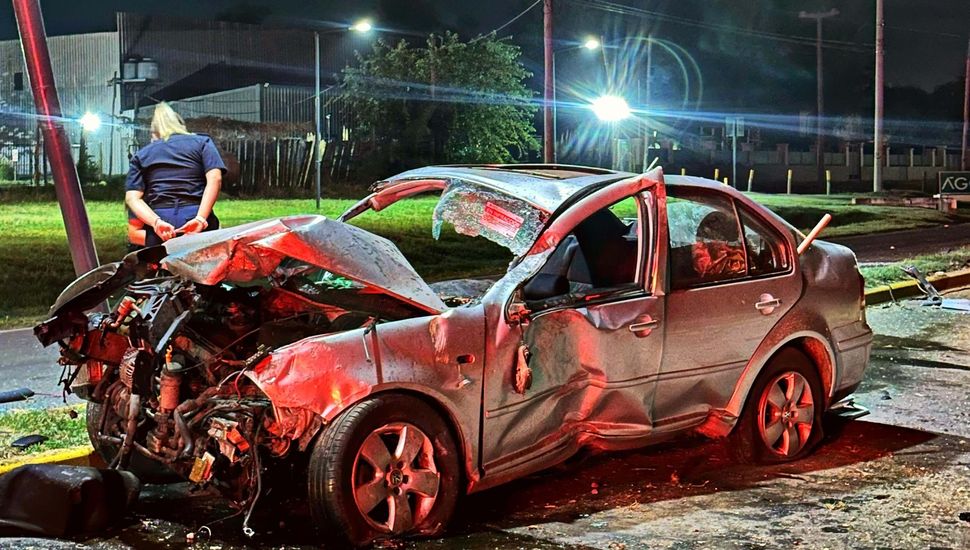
{"type": "Point", "coordinates": [19, 394]}
{"type": "Point", "coordinates": [28, 440]}
{"type": "Point", "coordinates": [57, 501]}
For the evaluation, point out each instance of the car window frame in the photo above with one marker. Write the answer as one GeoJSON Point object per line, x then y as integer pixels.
{"type": "Point", "coordinates": [638, 288]}
{"type": "Point", "coordinates": [736, 207]}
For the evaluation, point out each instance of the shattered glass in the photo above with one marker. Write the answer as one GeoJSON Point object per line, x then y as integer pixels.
{"type": "Point", "coordinates": [475, 212]}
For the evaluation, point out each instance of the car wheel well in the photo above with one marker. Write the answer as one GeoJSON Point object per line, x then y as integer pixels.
{"type": "Point", "coordinates": [818, 354]}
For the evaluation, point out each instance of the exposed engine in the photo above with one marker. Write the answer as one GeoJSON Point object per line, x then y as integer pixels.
{"type": "Point", "coordinates": [167, 369]}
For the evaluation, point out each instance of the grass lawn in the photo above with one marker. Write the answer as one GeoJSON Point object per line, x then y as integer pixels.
{"type": "Point", "coordinates": [63, 432]}
{"type": "Point", "coordinates": [928, 264]}
{"type": "Point", "coordinates": [35, 264]}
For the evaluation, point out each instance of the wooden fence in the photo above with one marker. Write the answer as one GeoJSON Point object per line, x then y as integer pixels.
{"type": "Point", "coordinates": [261, 165]}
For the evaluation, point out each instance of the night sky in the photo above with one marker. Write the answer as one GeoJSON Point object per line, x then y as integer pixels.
{"type": "Point", "coordinates": [926, 40]}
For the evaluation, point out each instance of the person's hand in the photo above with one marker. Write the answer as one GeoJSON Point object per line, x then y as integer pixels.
{"type": "Point", "coordinates": [163, 229]}
{"type": "Point", "coordinates": [195, 225]}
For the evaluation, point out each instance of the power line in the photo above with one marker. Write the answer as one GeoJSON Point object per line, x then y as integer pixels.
{"type": "Point", "coordinates": [510, 21]}
{"type": "Point", "coordinates": [613, 7]}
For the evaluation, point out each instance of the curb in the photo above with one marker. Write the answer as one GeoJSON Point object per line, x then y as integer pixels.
{"type": "Point", "coordinates": [907, 289]}
{"type": "Point", "coordinates": [75, 456]}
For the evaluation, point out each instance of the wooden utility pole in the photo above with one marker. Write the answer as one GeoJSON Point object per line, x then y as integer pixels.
{"type": "Point", "coordinates": [966, 111]}
{"type": "Point", "coordinates": [820, 95]}
{"type": "Point", "coordinates": [548, 139]}
{"type": "Point", "coordinates": [877, 148]}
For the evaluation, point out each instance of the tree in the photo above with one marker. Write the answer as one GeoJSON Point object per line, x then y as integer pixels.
{"type": "Point", "coordinates": [87, 169]}
{"type": "Point", "coordinates": [447, 102]}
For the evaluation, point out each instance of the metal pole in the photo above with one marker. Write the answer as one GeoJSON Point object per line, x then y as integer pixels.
{"type": "Point", "coordinates": [33, 39]}
{"type": "Point", "coordinates": [877, 137]}
{"type": "Point", "coordinates": [966, 111]}
{"type": "Point", "coordinates": [734, 153]}
{"type": "Point", "coordinates": [548, 140]}
{"type": "Point", "coordinates": [318, 161]}
{"type": "Point", "coordinates": [555, 112]}
{"type": "Point", "coordinates": [820, 91]}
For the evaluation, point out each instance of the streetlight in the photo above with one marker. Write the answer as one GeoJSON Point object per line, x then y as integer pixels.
{"type": "Point", "coordinates": [610, 108]}
{"type": "Point", "coordinates": [591, 44]}
{"type": "Point", "coordinates": [363, 26]}
{"type": "Point", "coordinates": [90, 122]}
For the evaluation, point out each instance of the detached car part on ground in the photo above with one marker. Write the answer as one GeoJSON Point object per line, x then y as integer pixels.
{"type": "Point", "coordinates": [308, 342]}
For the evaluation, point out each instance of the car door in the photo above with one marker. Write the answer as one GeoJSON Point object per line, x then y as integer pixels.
{"type": "Point", "coordinates": [717, 313]}
{"type": "Point", "coordinates": [592, 354]}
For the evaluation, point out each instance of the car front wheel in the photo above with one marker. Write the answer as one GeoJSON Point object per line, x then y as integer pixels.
{"type": "Point", "coordinates": [387, 467]}
{"type": "Point", "coordinates": [782, 419]}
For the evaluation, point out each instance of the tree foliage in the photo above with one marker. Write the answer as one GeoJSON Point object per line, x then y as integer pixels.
{"type": "Point", "coordinates": [446, 102]}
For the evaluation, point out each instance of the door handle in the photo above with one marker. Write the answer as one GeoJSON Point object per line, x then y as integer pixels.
{"type": "Point", "coordinates": [643, 328]}
{"type": "Point", "coordinates": [767, 304]}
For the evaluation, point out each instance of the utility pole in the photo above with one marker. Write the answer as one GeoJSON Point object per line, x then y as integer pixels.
{"type": "Point", "coordinates": [548, 139]}
{"type": "Point", "coordinates": [877, 148]}
{"type": "Point", "coordinates": [966, 112]}
{"type": "Point", "coordinates": [820, 93]}
{"type": "Point", "coordinates": [317, 157]}
{"type": "Point", "coordinates": [67, 186]}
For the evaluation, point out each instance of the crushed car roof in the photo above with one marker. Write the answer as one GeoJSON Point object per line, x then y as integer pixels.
{"type": "Point", "coordinates": [544, 186]}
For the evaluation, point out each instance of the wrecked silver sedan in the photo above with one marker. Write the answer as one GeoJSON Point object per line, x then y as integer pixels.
{"type": "Point", "coordinates": [635, 307]}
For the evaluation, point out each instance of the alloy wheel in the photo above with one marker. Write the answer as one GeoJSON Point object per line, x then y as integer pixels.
{"type": "Point", "coordinates": [786, 414]}
{"type": "Point", "coordinates": [395, 478]}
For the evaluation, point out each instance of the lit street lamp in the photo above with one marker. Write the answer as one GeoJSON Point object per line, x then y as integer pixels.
{"type": "Point", "coordinates": [363, 26]}
{"type": "Point", "coordinates": [610, 108]}
{"type": "Point", "coordinates": [591, 44]}
{"type": "Point", "coordinates": [90, 122]}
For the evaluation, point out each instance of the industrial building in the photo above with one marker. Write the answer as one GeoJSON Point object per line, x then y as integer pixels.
{"type": "Point", "coordinates": [217, 69]}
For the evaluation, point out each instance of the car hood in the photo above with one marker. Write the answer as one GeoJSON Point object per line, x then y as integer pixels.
{"type": "Point", "coordinates": [255, 250]}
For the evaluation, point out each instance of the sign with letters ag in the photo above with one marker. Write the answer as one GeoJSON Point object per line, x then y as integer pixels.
{"type": "Point", "coordinates": [954, 183]}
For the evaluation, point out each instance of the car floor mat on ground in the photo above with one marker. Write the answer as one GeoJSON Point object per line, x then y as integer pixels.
{"type": "Point", "coordinates": [56, 501]}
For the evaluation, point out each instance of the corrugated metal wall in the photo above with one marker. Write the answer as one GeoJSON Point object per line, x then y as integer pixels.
{"type": "Point", "coordinates": [183, 47]}
{"type": "Point", "coordinates": [239, 104]}
{"type": "Point", "coordinates": [83, 65]}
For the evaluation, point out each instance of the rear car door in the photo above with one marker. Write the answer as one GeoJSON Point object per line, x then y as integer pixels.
{"type": "Point", "coordinates": [731, 277]}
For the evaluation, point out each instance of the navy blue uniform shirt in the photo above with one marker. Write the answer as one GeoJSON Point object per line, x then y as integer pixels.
{"type": "Point", "coordinates": [173, 171]}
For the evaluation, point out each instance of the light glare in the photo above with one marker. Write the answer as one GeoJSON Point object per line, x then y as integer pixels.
{"type": "Point", "coordinates": [90, 122]}
{"type": "Point", "coordinates": [591, 44]}
{"type": "Point", "coordinates": [610, 108]}
{"type": "Point", "coordinates": [362, 26]}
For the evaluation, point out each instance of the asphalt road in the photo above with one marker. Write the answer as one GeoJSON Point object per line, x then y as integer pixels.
{"type": "Point", "coordinates": [25, 364]}
{"type": "Point", "coordinates": [897, 245]}
{"type": "Point", "coordinates": [898, 478]}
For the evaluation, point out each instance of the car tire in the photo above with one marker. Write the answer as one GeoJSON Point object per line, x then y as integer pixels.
{"type": "Point", "coordinates": [782, 417]}
{"type": "Point", "coordinates": [387, 467]}
{"type": "Point", "coordinates": [145, 469]}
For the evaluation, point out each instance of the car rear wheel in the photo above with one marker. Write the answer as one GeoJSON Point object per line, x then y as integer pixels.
{"type": "Point", "coordinates": [387, 467]}
{"type": "Point", "coordinates": [782, 418]}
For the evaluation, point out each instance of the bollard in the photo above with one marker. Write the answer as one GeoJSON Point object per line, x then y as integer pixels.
{"type": "Point", "coordinates": [828, 182]}
{"type": "Point", "coordinates": [788, 190]}
{"type": "Point", "coordinates": [726, 182]}
{"type": "Point", "coordinates": [750, 179]}
{"type": "Point", "coordinates": [683, 171]}
{"type": "Point", "coordinates": [717, 174]}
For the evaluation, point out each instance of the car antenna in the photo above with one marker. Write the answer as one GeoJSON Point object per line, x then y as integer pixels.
{"type": "Point", "coordinates": [822, 223]}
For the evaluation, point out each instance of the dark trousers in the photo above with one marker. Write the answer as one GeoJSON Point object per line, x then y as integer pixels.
{"type": "Point", "coordinates": [177, 215]}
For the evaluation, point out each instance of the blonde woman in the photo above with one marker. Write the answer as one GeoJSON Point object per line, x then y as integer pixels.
{"type": "Point", "coordinates": [174, 181]}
